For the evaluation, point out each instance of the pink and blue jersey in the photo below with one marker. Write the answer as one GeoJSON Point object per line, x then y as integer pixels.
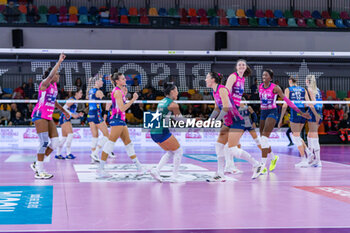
{"type": "Point", "coordinates": [237, 90]}
{"type": "Point", "coordinates": [232, 111]}
{"type": "Point", "coordinates": [267, 97]}
{"type": "Point", "coordinates": [116, 112]}
{"type": "Point", "coordinates": [46, 102]}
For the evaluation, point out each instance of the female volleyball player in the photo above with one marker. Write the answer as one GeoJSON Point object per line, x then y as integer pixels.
{"type": "Point", "coordinates": [163, 137]}
{"type": "Point", "coordinates": [232, 120]}
{"type": "Point", "coordinates": [314, 122]}
{"type": "Point", "coordinates": [235, 84]}
{"type": "Point", "coordinates": [297, 93]}
{"type": "Point", "coordinates": [42, 118]}
{"type": "Point", "coordinates": [118, 126]}
{"type": "Point", "coordinates": [95, 118]}
{"type": "Point", "coordinates": [66, 125]}
{"type": "Point", "coordinates": [268, 92]}
{"type": "Point", "coordinates": [250, 119]}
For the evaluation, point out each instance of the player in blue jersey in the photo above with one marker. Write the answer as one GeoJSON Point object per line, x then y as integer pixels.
{"type": "Point", "coordinates": [95, 119]}
{"type": "Point", "coordinates": [66, 125]}
{"type": "Point", "coordinates": [314, 122]}
{"type": "Point", "coordinates": [296, 94]}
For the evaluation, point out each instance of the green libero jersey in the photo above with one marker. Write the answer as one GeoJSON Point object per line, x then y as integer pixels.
{"type": "Point", "coordinates": [163, 109]}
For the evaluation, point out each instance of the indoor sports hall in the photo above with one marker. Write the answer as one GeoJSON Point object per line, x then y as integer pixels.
{"type": "Point", "coordinates": [175, 116]}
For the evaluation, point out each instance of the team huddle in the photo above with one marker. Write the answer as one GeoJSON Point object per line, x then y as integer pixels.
{"type": "Point", "coordinates": [237, 117]}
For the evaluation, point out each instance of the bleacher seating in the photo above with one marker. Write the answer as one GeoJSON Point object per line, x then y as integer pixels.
{"type": "Point", "coordinates": [301, 23]}
{"type": "Point", "coordinates": [269, 14]}
{"type": "Point", "coordinates": [204, 21]}
{"type": "Point", "coordinates": [102, 15]}
{"type": "Point", "coordinates": [230, 13]}
{"type": "Point", "coordinates": [278, 14]}
{"type": "Point", "coordinates": [263, 22]}
{"type": "Point", "coordinates": [273, 22]}
{"type": "Point", "coordinates": [307, 14]}
{"type": "Point", "coordinates": [297, 14]}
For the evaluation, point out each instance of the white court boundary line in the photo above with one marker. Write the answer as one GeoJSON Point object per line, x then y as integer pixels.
{"type": "Point", "coordinates": [179, 229]}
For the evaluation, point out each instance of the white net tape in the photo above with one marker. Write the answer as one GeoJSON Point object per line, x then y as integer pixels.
{"type": "Point", "coordinates": [7, 101]}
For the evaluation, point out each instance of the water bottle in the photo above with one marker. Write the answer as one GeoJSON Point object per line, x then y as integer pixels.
{"type": "Point", "coordinates": [5, 122]}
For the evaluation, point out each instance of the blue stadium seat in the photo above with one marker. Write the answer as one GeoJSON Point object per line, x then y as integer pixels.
{"type": "Point", "coordinates": [347, 22]}
{"type": "Point", "coordinates": [339, 23]}
{"type": "Point", "coordinates": [7, 90]}
{"type": "Point", "coordinates": [52, 20]}
{"type": "Point", "coordinates": [273, 22]}
{"type": "Point", "coordinates": [104, 21]}
{"type": "Point", "coordinates": [263, 22]}
{"type": "Point", "coordinates": [214, 21]}
{"type": "Point", "coordinates": [93, 10]}
{"type": "Point", "coordinates": [316, 15]}
{"type": "Point", "coordinates": [123, 11]}
{"type": "Point", "coordinates": [83, 10]}
{"type": "Point", "coordinates": [234, 21]}
{"type": "Point", "coordinates": [250, 13]}
{"type": "Point", "coordinates": [162, 12]}
{"type": "Point", "coordinates": [278, 14]}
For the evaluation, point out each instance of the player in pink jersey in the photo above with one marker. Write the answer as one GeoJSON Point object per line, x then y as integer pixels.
{"type": "Point", "coordinates": [42, 118]}
{"type": "Point", "coordinates": [225, 109]}
{"type": "Point", "coordinates": [235, 83]}
{"type": "Point", "coordinates": [118, 126]}
{"type": "Point", "coordinates": [268, 92]}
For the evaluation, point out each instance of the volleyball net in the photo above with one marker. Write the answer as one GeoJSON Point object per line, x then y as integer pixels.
{"type": "Point", "coordinates": [147, 71]}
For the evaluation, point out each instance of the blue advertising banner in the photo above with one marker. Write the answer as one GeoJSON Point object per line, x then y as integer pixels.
{"type": "Point", "coordinates": [26, 204]}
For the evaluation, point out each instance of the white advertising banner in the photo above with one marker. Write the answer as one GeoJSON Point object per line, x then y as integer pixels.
{"type": "Point", "coordinates": [13, 137]}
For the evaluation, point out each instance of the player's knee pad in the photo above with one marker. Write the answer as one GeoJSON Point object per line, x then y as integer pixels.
{"type": "Point", "coordinates": [130, 149]}
{"type": "Point", "coordinates": [102, 141]}
{"type": "Point", "coordinates": [297, 140]}
{"type": "Point", "coordinates": [69, 140]}
{"type": "Point", "coordinates": [257, 141]}
{"type": "Point", "coordinates": [220, 149]}
{"type": "Point", "coordinates": [108, 147]}
{"type": "Point", "coordinates": [264, 142]}
{"type": "Point", "coordinates": [44, 142]}
{"type": "Point", "coordinates": [94, 142]}
{"type": "Point", "coordinates": [54, 143]}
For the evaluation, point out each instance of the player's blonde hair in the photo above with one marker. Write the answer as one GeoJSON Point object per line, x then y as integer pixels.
{"type": "Point", "coordinates": [312, 83]}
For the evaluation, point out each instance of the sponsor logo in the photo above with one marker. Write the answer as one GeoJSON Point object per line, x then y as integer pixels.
{"type": "Point", "coordinates": [153, 120]}
{"type": "Point", "coordinates": [340, 193]}
{"type": "Point", "coordinates": [30, 134]}
{"type": "Point", "coordinates": [6, 133]}
{"type": "Point", "coordinates": [26, 204]}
